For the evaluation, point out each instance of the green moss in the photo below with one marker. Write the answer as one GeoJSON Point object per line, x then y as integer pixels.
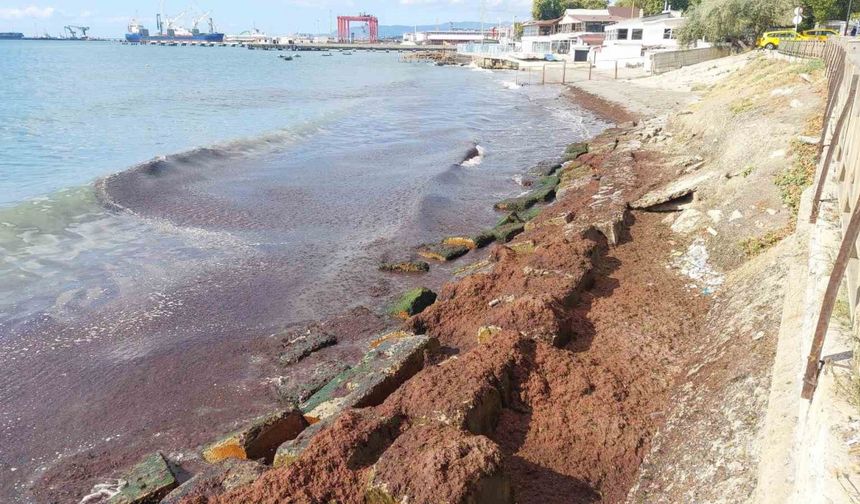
{"type": "Point", "coordinates": [575, 150]}
{"type": "Point", "coordinates": [506, 232]}
{"type": "Point", "coordinates": [758, 244]}
{"type": "Point", "coordinates": [405, 267]}
{"type": "Point", "coordinates": [741, 106]}
{"type": "Point", "coordinates": [413, 302]}
{"type": "Point", "coordinates": [484, 238]}
{"type": "Point", "coordinates": [443, 251]}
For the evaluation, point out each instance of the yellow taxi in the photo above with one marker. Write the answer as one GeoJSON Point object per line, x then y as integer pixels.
{"type": "Point", "coordinates": [818, 34]}
{"type": "Point", "coordinates": [771, 39]}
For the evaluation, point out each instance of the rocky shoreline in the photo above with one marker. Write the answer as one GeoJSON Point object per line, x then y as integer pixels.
{"type": "Point", "coordinates": [549, 367]}
{"type": "Point", "coordinates": [443, 404]}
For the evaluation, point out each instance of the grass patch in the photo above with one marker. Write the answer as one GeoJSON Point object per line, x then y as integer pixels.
{"type": "Point", "coordinates": [747, 171]}
{"type": "Point", "coordinates": [811, 66]}
{"type": "Point", "coordinates": [741, 106]}
{"type": "Point", "coordinates": [757, 244]}
{"type": "Point", "coordinates": [797, 177]}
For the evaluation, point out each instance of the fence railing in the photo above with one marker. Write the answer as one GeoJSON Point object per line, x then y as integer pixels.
{"type": "Point", "coordinates": [671, 60]}
{"type": "Point", "coordinates": [839, 155]}
{"type": "Point", "coordinates": [803, 48]}
{"type": "Point", "coordinates": [488, 49]}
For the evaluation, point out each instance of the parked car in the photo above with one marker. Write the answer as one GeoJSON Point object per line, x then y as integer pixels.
{"type": "Point", "coordinates": [771, 39]}
{"type": "Point", "coordinates": [818, 34]}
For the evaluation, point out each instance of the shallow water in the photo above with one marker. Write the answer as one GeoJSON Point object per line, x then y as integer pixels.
{"type": "Point", "coordinates": [125, 303]}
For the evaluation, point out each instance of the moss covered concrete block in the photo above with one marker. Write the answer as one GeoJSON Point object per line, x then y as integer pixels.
{"type": "Point", "coordinates": [507, 232]}
{"type": "Point", "coordinates": [545, 168]}
{"type": "Point", "coordinates": [216, 479]}
{"type": "Point", "coordinates": [575, 150]}
{"type": "Point", "coordinates": [442, 252]}
{"type": "Point", "coordinates": [260, 439]}
{"type": "Point", "coordinates": [405, 267]}
{"type": "Point", "coordinates": [413, 302]}
{"type": "Point", "coordinates": [147, 483]}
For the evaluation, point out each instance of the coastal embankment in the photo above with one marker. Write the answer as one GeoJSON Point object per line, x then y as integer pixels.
{"type": "Point", "coordinates": [615, 344]}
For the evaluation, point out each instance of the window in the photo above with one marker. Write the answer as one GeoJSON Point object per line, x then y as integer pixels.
{"type": "Point", "coordinates": [595, 26]}
{"type": "Point", "coordinates": [668, 34]}
{"type": "Point", "coordinates": [622, 34]}
{"type": "Point", "coordinates": [530, 31]}
{"type": "Point", "coordinates": [637, 34]}
{"type": "Point", "coordinates": [612, 35]}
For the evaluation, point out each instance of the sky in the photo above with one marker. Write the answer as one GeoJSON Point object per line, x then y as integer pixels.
{"type": "Point", "coordinates": [109, 18]}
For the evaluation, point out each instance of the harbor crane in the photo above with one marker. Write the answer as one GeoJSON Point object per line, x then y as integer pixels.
{"type": "Point", "coordinates": [73, 31]}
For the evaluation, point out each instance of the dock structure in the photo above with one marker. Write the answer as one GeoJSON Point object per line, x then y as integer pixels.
{"type": "Point", "coordinates": [385, 47]}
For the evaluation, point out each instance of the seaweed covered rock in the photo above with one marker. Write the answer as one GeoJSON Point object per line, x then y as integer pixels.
{"type": "Point", "coordinates": [413, 302]}
{"type": "Point", "coordinates": [545, 168]}
{"type": "Point", "coordinates": [471, 242]}
{"type": "Point", "coordinates": [575, 150]}
{"type": "Point", "coordinates": [541, 193]}
{"type": "Point", "coordinates": [442, 252]}
{"type": "Point", "coordinates": [298, 345]}
{"type": "Point", "coordinates": [217, 478]}
{"type": "Point", "coordinates": [405, 267]}
{"type": "Point", "coordinates": [436, 463]}
{"type": "Point", "coordinates": [147, 482]}
{"type": "Point", "coordinates": [260, 439]}
{"type": "Point", "coordinates": [507, 232]}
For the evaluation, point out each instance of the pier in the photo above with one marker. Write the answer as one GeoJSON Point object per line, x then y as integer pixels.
{"type": "Point", "coordinates": [385, 47]}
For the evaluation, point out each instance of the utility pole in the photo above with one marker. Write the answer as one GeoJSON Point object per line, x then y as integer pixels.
{"type": "Point", "coordinates": [482, 22]}
{"type": "Point", "coordinates": [848, 17]}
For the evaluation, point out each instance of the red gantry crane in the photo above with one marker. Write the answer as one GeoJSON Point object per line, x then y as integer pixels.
{"type": "Point", "coordinates": [343, 26]}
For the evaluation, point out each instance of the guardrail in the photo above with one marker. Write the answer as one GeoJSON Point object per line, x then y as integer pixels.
{"type": "Point", "coordinates": [803, 48]}
{"type": "Point", "coordinates": [839, 158]}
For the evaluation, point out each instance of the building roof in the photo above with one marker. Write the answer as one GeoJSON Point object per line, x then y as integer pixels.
{"type": "Point", "coordinates": [542, 22]}
{"type": "Point", "coordinates": [625, 12]}
{"type": "Point", "coordinates": [592, 39]}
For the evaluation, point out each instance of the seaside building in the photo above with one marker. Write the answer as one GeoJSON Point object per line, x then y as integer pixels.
{"type": "Point", "coordinates": [573, 36]}
{"type": "Point", "coordinates": [446, 37]}
{"type": "Point", "coordinates": [632, 41]}
{"type": "Point", "coordinates": [254, 36]}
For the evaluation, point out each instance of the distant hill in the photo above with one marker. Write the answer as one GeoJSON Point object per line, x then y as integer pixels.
{"type": "Point", "coordinates": [388, 31]}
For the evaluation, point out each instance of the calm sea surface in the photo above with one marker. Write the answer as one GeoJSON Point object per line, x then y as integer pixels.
{"type": "Point", "coordinates": [158, 203]}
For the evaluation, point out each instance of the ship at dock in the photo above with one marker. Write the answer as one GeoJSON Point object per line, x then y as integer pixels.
{"type": "Point", "coordinates": [169, 30]}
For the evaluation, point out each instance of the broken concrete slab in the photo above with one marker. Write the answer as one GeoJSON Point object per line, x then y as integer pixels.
{"type": "Point", "coordinates": [678, 189]}
{"type": "Point", "coordinates": [507, 232]}
{"type": "Point", "coordinates": [559, 220]}
{"type": "Point", "coordinates": [147, 482]}
{"type": "Point", "coordinates": [260, 439]}
{"type": "Point", "coordinates": [522, 247]}
{"type": "Point", "coordinates": [298, 345]}
{"type": "Point", "coordinates": [545, 168]}
{"type": "Point", "coordinates": [575, 150]}
{"type": "Point", "coordinates": [528, 200]}
{"type": "Point", "coordinates": [413, 302]}
{"type": "Point", "coordinates": [291, 450]}
{"type": "Point", "coordinates": [216, 479]}
{"type": "Point", "coordinates": [687, 222]}
{"type": "Point", "coordinates": [437, 463]}
{"type": "Point", "coordinates": [471, 242]}
{"type": "Point", "coordinates": [442, 252]}
{"type": "Point", "coordinates": [405, 267]}
{"type": "Point", "coordinates": [295, 391]}
{"type": "Point", "coordinates": [385, 367]}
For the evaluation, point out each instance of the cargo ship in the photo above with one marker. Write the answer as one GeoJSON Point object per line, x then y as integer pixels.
{"type": "Point", "coordinates": [169, 31]}
{"type": "Point", "coordinates": [11, 36]}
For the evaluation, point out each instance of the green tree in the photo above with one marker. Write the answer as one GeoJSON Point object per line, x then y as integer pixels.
{"type": "Point", "coordinates": [554, 9]}
{"type": "Point", "coordinates": [650, 7]}
{"type": "Point", "coordinates": [738, 22]}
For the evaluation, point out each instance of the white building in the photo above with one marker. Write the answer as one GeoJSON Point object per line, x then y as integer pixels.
{"type": "Point", "coordinates": [574, 35]}
{"type": "Point", "coordinates": [441, 37]}
{"type": "Point", "coordinates": [254, 36]}
{"type": "Point", "coordinates": [630, 42]}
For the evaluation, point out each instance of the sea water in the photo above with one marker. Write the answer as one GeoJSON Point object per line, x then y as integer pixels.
{"type": "Point", "coordinates": [157, 202]}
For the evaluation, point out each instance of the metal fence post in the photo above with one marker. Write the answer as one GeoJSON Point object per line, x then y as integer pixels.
{"type": "Point", "coordinates": [589, 70]}
{"type": "Point", "coordinates": [543, 75]}
{"type": "Point", "coordinates": [564, 72]}
{"type": "Point", "coordinates": [616, 69]}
